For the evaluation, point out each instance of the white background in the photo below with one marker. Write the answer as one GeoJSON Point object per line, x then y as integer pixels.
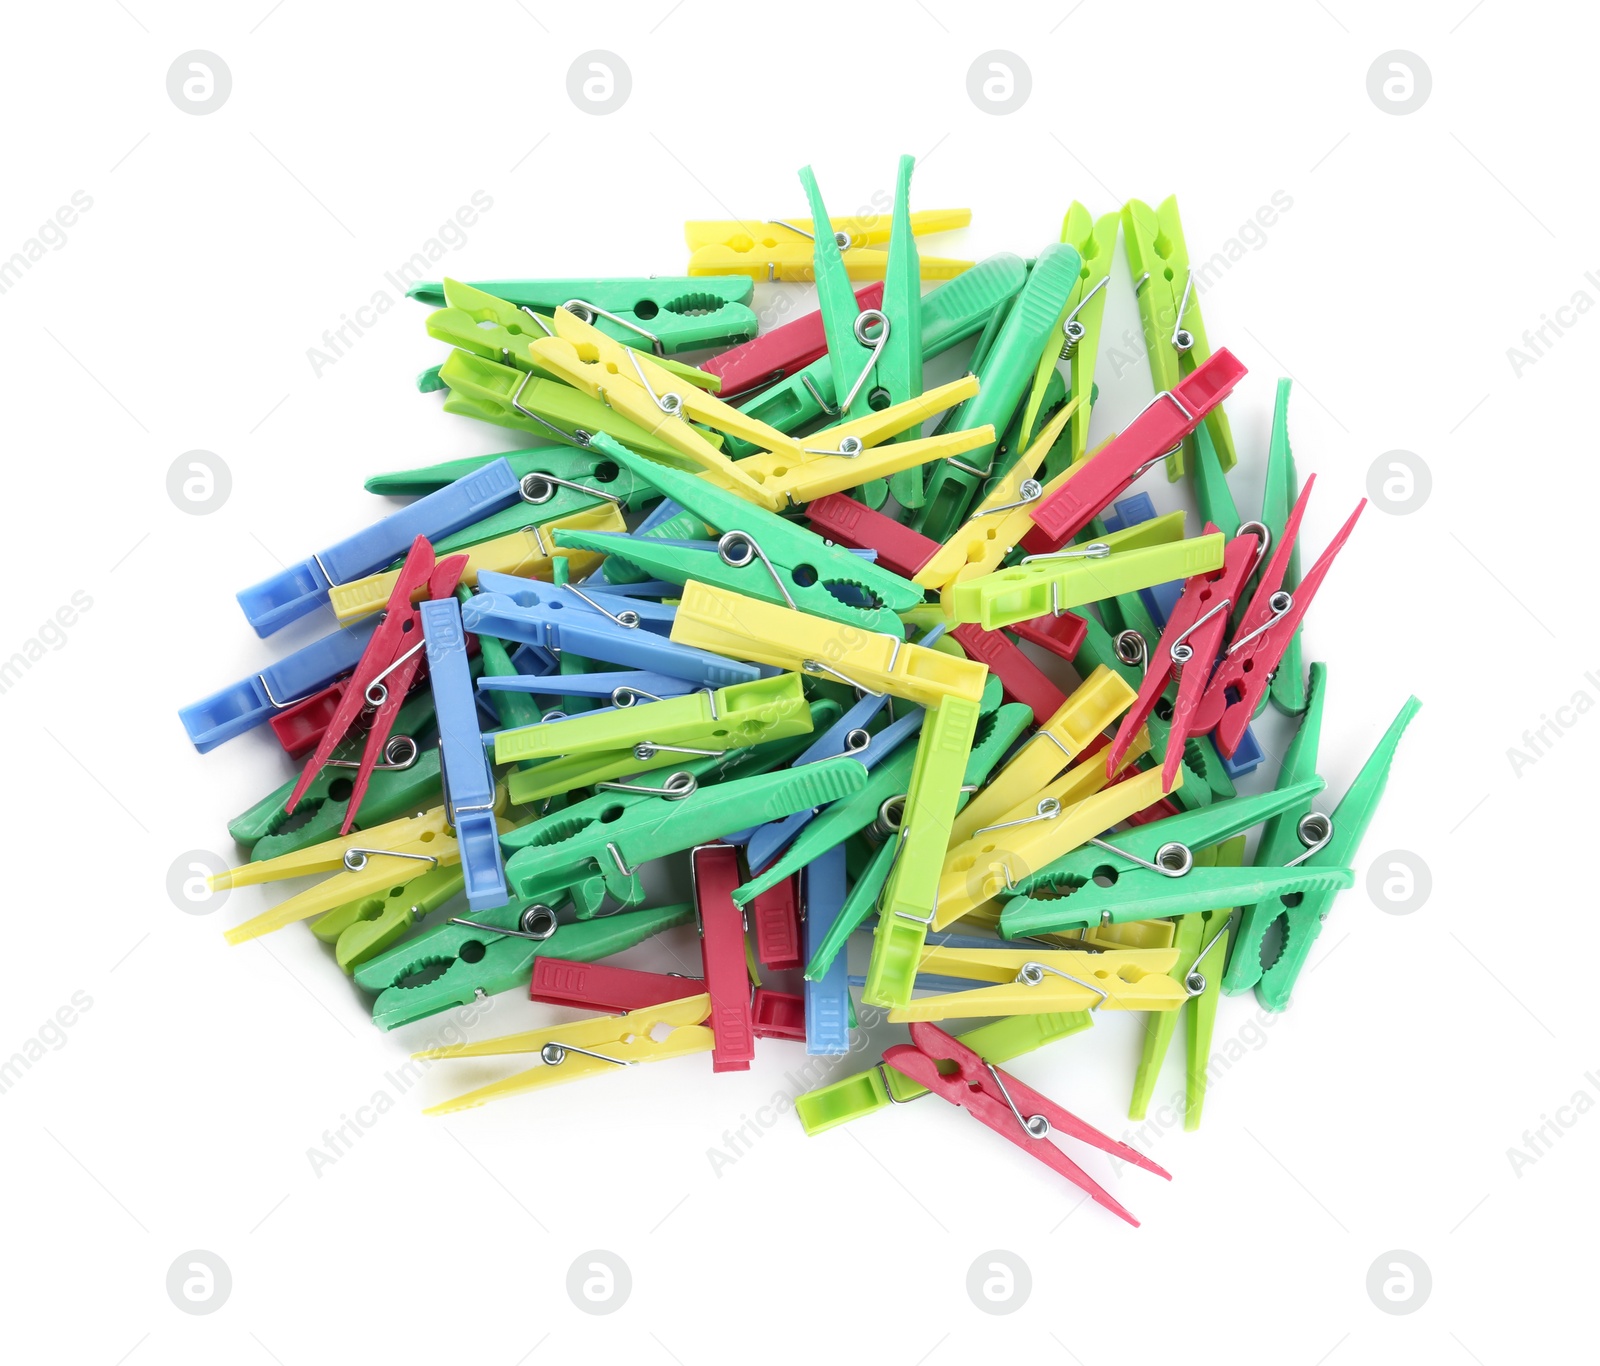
{"type": "Point", "coordinates": [177, 1111]}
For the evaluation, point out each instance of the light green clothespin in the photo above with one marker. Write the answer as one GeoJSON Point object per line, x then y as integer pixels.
{"type": "Point", "coordinates": [1078, 329]}
{"type": "Point", "coordinates": [361, 929]}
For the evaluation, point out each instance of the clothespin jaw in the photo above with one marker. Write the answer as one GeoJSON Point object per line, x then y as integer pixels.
{"type": "Point", "coordinates": [1168, 293]}
{"type": "Point", "coordinates": [1153, 871]}
{"type": "Point", "coordinates": [731, 624]}
{"type": "Point", "coordinates": [1340, 837]}
{"type": "Point", "coordinates": [1012, 1109]}
{"type": "Point", "coordinates": [464, 961]}
{"type": "Point", "coordinates": [1191, 639]}
{"type": "Point", "coordinates": [1201, 942]}
{"type": "Point", "coordinates": [362, 928]}
{"type": "Point", "coordinates": [908, 903]}
{"type": "Point", "coordinates": [756, 553]}
{"type": "Point", "coordinates": [782, 249]}
{"type": "Point", "coordinates": [1268, 625]}
{"type": "Point", "coordinates": [586, 1048]}
{"type": "Point", "coordinates": [661, 314]}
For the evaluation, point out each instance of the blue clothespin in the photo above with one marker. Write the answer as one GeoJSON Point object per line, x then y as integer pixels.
{"type": "Point", "coordinates": [827, 999]}
{"type": "Point", "coordinates": [468, 778]}
{"type": "Point", "coordinates": [246, 704]}
{"type": "Point", "coordinates": [770, 840]}
{"type": "Point", "coordinates": [300, 589]}
{"type": "Point", "coordinates": [539, 614]}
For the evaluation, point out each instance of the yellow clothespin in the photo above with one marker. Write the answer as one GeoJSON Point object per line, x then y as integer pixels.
{"type": "Point", "coordinates": [741, 628]}
{"type": "Point", "coordinates": [783, 249]}
{"type": "Point", "coordinates": [1002, 854]}
{"type": "Point", "coordinates": [1102, 697]}
{"type": "Point", "coordinates": [1041, 981]}
{"type": "Point", "coordinates": [1000, 520]}
{"type": "Point", "coordinates": [586, 1048]}
{"type": "Point", "coordinates": [526, 552]}
{"type": "Point", "coordinates": [848, 455]}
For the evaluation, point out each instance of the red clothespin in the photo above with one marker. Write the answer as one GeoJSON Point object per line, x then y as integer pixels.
{"type": "Point", "coordinates": [1021, 680]}
{"type": "Point", "coordinates": [776, 917]}
{"type": "Point", "coordinates": [779, 1015]}
{"type": "Point", "coordinates": [300, 725]}
{"type": "Point", "coordinates": [714, 869]}
{"type": "Point", "coordinates": [561, 982]}
{"type": "Point", "coordinates": [1063, 636]}
{"type": "Point", "coordinates": [781, 352]}
{"type": "Point", "coordinates": [1185, 654]}
{"type": "Point", "coordinates": [841, 519]}
{"type": "Point", "coordinates": [1013, 1110]}
{"type": "Point", "coordinates": [385, 671]}
{"type": "Point", "coordinates": [1170, 416]}
{"type": "Point", "coordinates": [1264, 632]}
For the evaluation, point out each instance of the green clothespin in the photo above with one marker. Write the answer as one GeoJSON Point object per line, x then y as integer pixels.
{"type": "Point", "coordinates": [580, 751]}
{"type": "Point", "coordinates": [568, 848]}
{"type": "Point", "coordinates": [912, 887]}
{"type": "Point", "coordinates": [1326, 847]}
{"type": "Point", "coordinates": [1003, 374]}
{"type": "Point", "coordinates": [863, 1093]}
{"type": "Point", "coordinates": [1149, 871]}
{"type": "Point", "coordinates": [1078, 327]}
{"type": "Point", "coordinates": [874, 355]}
{"type": "Point", "coordinates": [1169, 309]}
{"type": "Point", "coordinates": [455, 964]}
{"type": "Point", "coordinates": [998, 731]}
{"type": "Point", "coordinates": [360, 929]}
{"type": "Point", "coordinates": [662, 314]}
{"type": "Point", "coordinates": [683, 526]}
{"type": "Point", "coordinates": [954, 311]}
{"type": "Point", "coordinates": [758, 553]}
{"type": "Point", "coordinates": [391, 792]}
{"type": "Point", "coordinates": [546, 408]}
{"type": "Point", "coordinates": [1202, 944]}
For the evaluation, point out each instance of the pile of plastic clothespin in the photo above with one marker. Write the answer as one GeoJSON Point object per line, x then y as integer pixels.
{"type": "Point", "coordinates": [961, 694]}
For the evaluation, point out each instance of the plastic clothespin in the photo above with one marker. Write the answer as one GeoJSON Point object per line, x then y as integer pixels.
{"type": "Point", "coordinates": [621, 688]}
{"type": "Point", "coordinates": [527, 553]}
{"type": "Point", "coordinates": [783, 250]}
{"type": "Point", "coordinates": [1121, 562]}
{"type": "Point", "coordinates": [778, 1015]}
{"type": "Point", "coordinates": [827, 995]}
{"type": "Point", "coordinates": [1048, 752]}
{"type": "Point", "coordinates": [663, 314]}
{"type": "Point", "coordinates": [383, 676]}
{"type": "Point", "coordinates": [714, 870]}
{"type": "Point", "coordinates": [569, 480]}
{"type": "Point", "coordinates": [1169, 309]}
{"type": "Point", "coordinates": [1329, 842]}
{"type": "Point", "coordinates": [362, 928]}
{"type": "Point", "coordinates": [951, 313]}
{"type": "Point", "coordinates": [775, 917]}
{"type": "Point", "coordinates": [463, 961]}
{"type": "Point", "coordinates": [1034, 980]}
{"type": "Point", "coordinates": [909, 902]}
{"type": "Point", "coordinates": [1078, 332]}
{"type": "Point", "coordinates": [582, 750]}
{"type": "Point", "coordinates": [1003, 374]}
{"type": "Point", "coordinates": [547, 408]}
{"type": "Point", "coordinates": [864, 1093]}
{"type": "Point", "coordinates": [1013, 1110]}
{"type": "Point", "coordinates": [732, 624]}
{"type": "Point", "coordinates": [566, 847]}
{"type": "Point", "coordinates": [1201, 941]}
{"type": "Point", "coordinates": [254, 700]}
{"type": "Point", "coordinates": [1268, 625]}
{"type": "Point", "coordinates": [599, 986]}
{"type": "Point", "coordinates": [468, 781]}
{"type": "Point", "coordinates": [289, 595]}
{"type": "Point", "coordinates": [560, 620]}
{"type": "Point", "coordinates": [1094, 483]}
{"type": "Point", "coordinates": [756, 553]}
{"type": "Point", "coordinates": [1152, 871]}
{"type": "Point", "coordinates": [585, 1048]}
{"type": "Point", "coordinates": [775, 355]}
{"type": "Point", "coordinates": [995, 859]}
{"type": "Point", "coordinates": [1189, 643]}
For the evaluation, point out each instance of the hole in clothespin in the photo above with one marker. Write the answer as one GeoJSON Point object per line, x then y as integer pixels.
{"type": "Point", "coordinates": [1105, 876]}
{"type": "Point", "coordinates": [1163, 708]}
{"type": "Point", "coordinates": [339, 790]}
{"type": "Point", "coordinates": [1273, 940]}
{"type": "Point", "coordinates": [471, 952]}
{"type": "Point", "coordinates": [611, 813]}
{"type": "Point", "coordinates": [645, 309]}
{"type": "Point", "coordinates": [1131, 972]}
{"type": "Point", "coordinates": [804, 574]}
{"type": "Point", "coordinates": [879, 399]}
{"type": "Point", "coordinates": [606, 471]}
{"type": "Point", "coordinates": [659, 1031]}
